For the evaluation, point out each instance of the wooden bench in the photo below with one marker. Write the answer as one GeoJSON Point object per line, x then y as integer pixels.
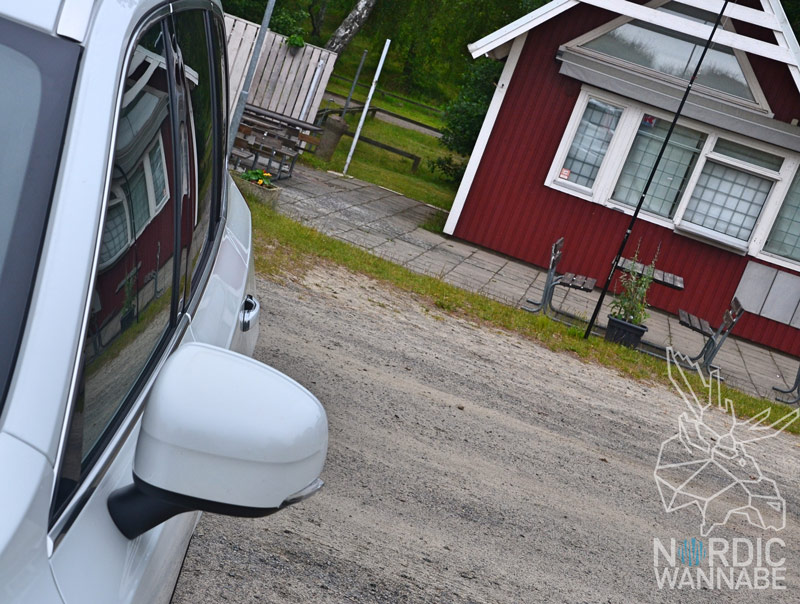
{"type": "Point", "coordinates": [553, 279]}
{"type": "Point", "coordinates": [661, 277]}
{"type": "Point", "coordinates": [715, 339]}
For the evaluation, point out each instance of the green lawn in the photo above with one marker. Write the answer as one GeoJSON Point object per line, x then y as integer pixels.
{"type": "Point", "coordinates": [398, 106]}
{"type": "Point", "coordinates": [387, 169]}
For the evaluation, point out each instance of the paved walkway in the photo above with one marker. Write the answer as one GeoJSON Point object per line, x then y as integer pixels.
{"type": "Point", "coordinates": [387, 224]}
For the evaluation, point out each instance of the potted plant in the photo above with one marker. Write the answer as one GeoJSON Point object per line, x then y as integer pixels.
{"type": "Point", "coordinates": [629, 307]}
{"type": "Point", "coordinates": [295, 42]}
{"type": "Point", "coordinates": [259, 184]}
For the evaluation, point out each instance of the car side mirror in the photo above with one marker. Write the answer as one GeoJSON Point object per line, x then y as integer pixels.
{"type": "Point", "coordinates": [221, 433]}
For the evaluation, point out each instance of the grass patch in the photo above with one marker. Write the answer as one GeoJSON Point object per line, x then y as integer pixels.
{"type": "Point", "coordinates": [388, 169]}
{"type": "Point", "coordinates": [395, 105]}
{"type": "Point", "coordinates": [284, 246]}
{"type": "Point", "coordinates": [435, 224]}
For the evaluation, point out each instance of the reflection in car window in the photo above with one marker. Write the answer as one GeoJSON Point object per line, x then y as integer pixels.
{"type": "Point", "coordinates": [200, 138]}
{"type": "Point", "coordinates": [130, 305]}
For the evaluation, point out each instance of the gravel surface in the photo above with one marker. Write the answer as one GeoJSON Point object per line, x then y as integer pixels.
{"type": "Point", "coordinates": [465, 464]}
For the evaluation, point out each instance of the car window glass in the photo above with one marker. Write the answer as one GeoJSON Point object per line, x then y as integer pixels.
{"type": "Point", "coordinates": [198, 138]}
{"type": "Point", "coordinates": [130, 307]}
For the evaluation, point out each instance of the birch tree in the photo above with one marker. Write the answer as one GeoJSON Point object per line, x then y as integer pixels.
{"type": "Point", "coordinates": [350, 26]}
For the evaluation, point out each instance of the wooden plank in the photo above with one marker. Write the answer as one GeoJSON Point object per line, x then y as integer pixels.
{"type": "Point", "coordinates": [280, 78]}
{"type": "Point", "coordinates": [330, 61]}
{"type": "Point", "coordinates": [590, 283]}
{"type": "Point", "coordinates": [683, 318]}
{"type": "Point", "coordinates": [707, 330]}
{"type": "Point", "coordinates": [306, 77]}
{"type": "Point", "coordinates": [695, 323]}
{"type": "Point", "coordinates": [567, 278]}
{"type": "Point", "coordinates": [290, 82]}
{"type": "Point", "coordinates": [261, 89]}
{"type": "Point", "coordinates": [578, 282]}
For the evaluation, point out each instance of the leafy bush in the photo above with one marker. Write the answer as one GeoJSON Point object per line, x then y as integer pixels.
{"type": "Point", "coordinates": [287, 22]}
{"type": "Point", "coordinates": [452, 169]}
{"type": "Point", "coordinates": [464, 116]}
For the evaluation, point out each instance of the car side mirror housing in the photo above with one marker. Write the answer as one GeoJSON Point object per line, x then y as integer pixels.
{"type": "Point", "coordinates": [221, 433]}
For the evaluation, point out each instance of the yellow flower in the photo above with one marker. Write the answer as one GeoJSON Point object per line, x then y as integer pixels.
{"type": "Point", "coordinates": [268, 174]}
{"type": "Point", "coordinates": [260, 182]}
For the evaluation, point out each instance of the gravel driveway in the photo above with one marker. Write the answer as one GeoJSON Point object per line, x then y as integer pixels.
{"type": "Point", "coordinates": [466, 464]}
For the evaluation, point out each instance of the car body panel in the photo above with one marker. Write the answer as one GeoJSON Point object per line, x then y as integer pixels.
{"type": "Point", "coordinates": [39, 15]}
{"type": "Point", "coordinates": [51, 339]}
{"type": "Point", "coordinates": [25, 574]}
{"type": "Point", "coordinates": [119, 565]}
{"type": "Point", "coordinates": [76, 553]}
{"type": "Point", "coordinates": [231, 279]}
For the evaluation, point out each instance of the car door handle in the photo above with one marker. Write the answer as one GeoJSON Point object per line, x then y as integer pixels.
{"type": "Point", "coordinates": [249, 314]}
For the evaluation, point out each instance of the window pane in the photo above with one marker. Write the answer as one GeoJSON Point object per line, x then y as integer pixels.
{"type": "Point", "coordinates": [748, 154]}
{"type": "Point", "coordinates": [677, 163]}
{"type": "Point", "coordinates": [199, 142]}
{"type": "Point", "coordinates": [129, 316]}
{"type": "Point", "coordinates": [676, 54]}
{"type": "Point", "coordinates": [727, 200]}
{"type": "Point", "coordinates": [591, 142]}
{"type": "Point", "coordinates": [137, 195]}
{"type": "Point", "coordinates": [159, 175]}
{"type": "Point", "coordinates": [784, 239]}
{"type": "Point", "coordinates": [115, 233]}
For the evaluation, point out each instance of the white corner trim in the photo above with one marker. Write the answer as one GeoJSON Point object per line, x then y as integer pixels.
{"type": "Point", "coordinates": [519, 27]}
{"type": "Point", "coordinates": [486, 131]}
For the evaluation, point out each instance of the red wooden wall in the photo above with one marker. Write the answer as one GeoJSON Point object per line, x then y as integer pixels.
{"type": "Point", "coordinates": [509, 209]}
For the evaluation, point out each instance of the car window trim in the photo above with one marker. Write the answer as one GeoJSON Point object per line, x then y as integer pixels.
{"type": "Point", "coordinates": [55, 518]}
{"type": "Point", "coordinates": [61, 520]}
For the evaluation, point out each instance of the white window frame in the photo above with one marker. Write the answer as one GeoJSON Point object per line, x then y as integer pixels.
{"type": "Point", "coordinates": [620, 146]}
{"type": "Point", "coordinates": [154, 206]}
{"type": "Point", "coordinates": [122, 199]}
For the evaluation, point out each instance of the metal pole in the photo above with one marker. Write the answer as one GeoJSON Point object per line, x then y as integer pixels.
{"type": "Point", "coordinates": [366, 106]}
{"type": "Point", "coordinates": [652, 175]}
{"type": "Point", "coordinates": [355, 81]}
{"type": "Point", "coordinates": [248, 79]}
{"type": "Point", "coordinates": [312, 91]}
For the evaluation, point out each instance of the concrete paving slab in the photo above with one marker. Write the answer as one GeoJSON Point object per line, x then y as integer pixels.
{"type": "Point", "coordinates": [398, 251]}
{"type": "Point", "coordinates": [433, 265]}
{"type": "Point", "coordinates": [457, 247]}
{"type": "Point", "coordinates": [422, 238]}
{"type": "Point", "coordinates": [330, 225]}
{"type": "Point", "coordinates": [363, 239]}
{"type": "Point", "coordinates": [472, 278]}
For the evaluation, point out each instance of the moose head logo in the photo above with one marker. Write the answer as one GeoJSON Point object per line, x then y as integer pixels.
{"type": "Point", "coordinates": [707, 463]}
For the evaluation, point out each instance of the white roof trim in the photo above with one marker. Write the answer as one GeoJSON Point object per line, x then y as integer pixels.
{"type": "Point", "coordinates": [519, 27]}
{"type": "Point", "coordinates": [773, 17]}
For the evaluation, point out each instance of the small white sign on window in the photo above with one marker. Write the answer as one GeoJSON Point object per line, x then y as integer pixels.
{"type": "Point", "coordinates": [565, 173]}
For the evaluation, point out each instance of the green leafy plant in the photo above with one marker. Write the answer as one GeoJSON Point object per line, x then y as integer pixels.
{"type": "Point", "coordinates": [630, 304]}
{"type": "Point", "coordinates": [260, 177]}
{"type": "Point", "coordinates": [296, 41]}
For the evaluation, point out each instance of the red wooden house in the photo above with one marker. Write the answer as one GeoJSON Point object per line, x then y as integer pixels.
{"type": "Point", "coordinates": [587, 94]}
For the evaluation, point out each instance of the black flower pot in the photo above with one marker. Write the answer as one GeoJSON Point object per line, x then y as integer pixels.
{"type": "Point", "coordinates": [624, 333]}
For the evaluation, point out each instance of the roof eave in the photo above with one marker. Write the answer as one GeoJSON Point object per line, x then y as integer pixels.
{"type": "Point", "coordinates": [516, 28]}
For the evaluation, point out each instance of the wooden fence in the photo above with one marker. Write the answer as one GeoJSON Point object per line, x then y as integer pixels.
{"type": "Point", "coordinates": [288, 83]}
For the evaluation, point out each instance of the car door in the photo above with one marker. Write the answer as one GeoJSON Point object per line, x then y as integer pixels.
{"type": "Point", "coordinates": [163, 224]}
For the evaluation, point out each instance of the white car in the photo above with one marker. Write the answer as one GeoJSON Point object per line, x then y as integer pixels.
{"type": "Point", "coordinates": [128, 401]}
